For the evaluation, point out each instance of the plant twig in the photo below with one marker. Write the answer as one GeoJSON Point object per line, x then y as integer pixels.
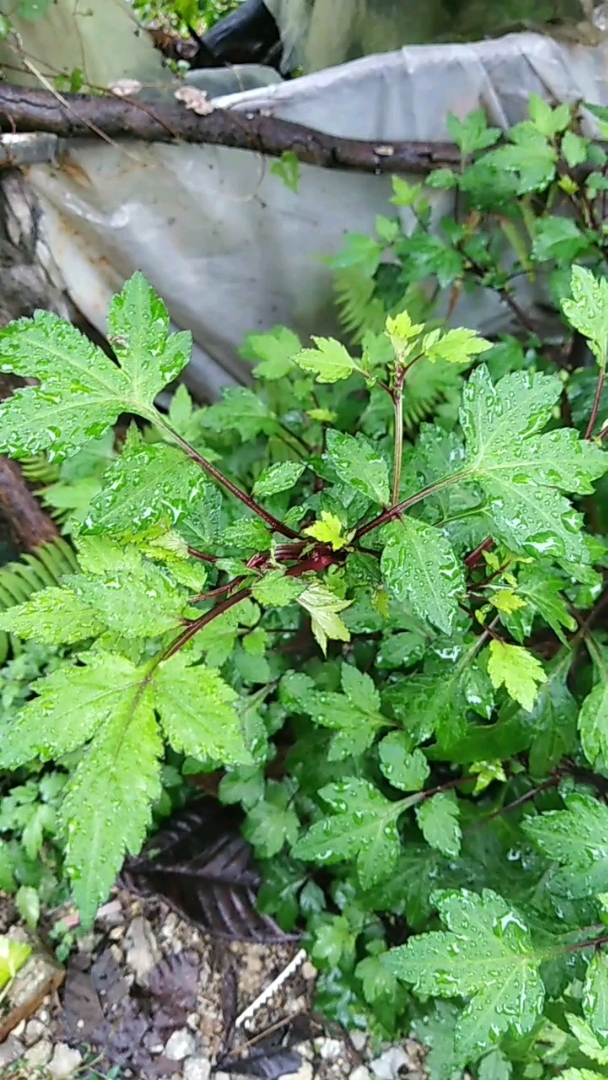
{"type": "Point", "coordinates": [77, 115]}
{"type": "Point", "coordinates": [596, 402]}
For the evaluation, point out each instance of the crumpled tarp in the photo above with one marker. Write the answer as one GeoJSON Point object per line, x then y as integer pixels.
{"type": "Point", "coordinates": [227, 245]}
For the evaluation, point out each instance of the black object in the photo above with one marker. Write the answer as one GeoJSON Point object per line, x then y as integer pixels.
{"type": "Point", "coordinates": [248, 35]}
{"type": "Point", "coordinates": [201, 865]}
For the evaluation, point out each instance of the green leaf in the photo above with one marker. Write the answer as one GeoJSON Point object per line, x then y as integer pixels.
{"type": "Point", "coordinates": [277, 590]}
{"type": "Point", "coordinates": [72, 703]}
{"type": "Point", "coordinates": [437, 818]}
{"type": "Point", "coordinates": [275, 351]}
{"type": "Point", "coordinates": [13, 955]}
{"type": "Point", "coordinates": [549, 121]}
{"type": "Point", "coordinates": [148, 483]}
{"type": "Point", "coordinates": [248, 533]}
{"type": "Point", "coordinates": [520, 471]}
{"type": "Point", "coordinates": [240, 410]}
{"type": "Point", "coordinates": [356, 723]}
{"type": "Point", "coordinates": [420, 568]}
{"type": "Point", "coordinates": [334, 938]}
{"type": "Point", "coordinates": [131, 595]}
{"type": "Point", "coordinates": [107, 808]}
{"type": "Point", "coordinates": [577, 839]}
{"type": "Point", "coordinates": [328, 530]}
{"type": "Point", "coordinates": [485, 956]}
{"type": "Point", "coordinates": [244, 785]}
{"type": "Point", "coordinates": [595, 996]}
{"type": "Point", "coordinates": [359, 464]}
{"type": "Point", "coordinates": [53, 617]}
{"type": "Point", "coordinates": [454, 346]}
{"type": "Point", "coordinates": [197, 712]}
{"type": "Point", "coordinates": [363, 826]}
{"type": "Point", "coordinates": [272, 822]}
{"type": "Point", "coordinates": [82, 392]}
{"type": "Point", "coordinates": [324, 608]}
{"type": "Point", "coordinates": [517, 670]}
{"type": "Point", "coordinates": [589, 1045]}
{"type": "Point", "coordinates": [329, 361]}
{"type": "Point", "coordinates": [360, 689]}
{"type": "Point", "coordinates": [593, 717]}
{"type": "Point", "coordinates": [405, 769]}
{"type": "Point", "coordinates": [378, 981]}
{"type": "Point", "coordinates": [287, 168]}
{"type": "Point", "coordinates": [27, 902]}
{"type": "Point", "coordinates": [280, 477]}
{"type": "Point", "coordinates": [587, 311]}
{"type": "Point", "coordinates": [32, 9]}
{"type": "Point", "coordinates": [472, 133]}
{"type": "Point", "coordinates": [558, 238]}
{"type": "Point", "coordinates": [581, 1074]}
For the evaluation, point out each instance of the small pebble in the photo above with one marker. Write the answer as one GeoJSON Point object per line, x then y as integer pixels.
{"type": "Point", "coordinates": [180, 1045]}
{"type": "Point", "coordinates": [10, 1051]}
{"type": "Point", "coordinates": [39, 1054]}
{"type": "Point", "coordinates": [361, 1073]}
{"type": "Point", "coordinates": [387, 1066]}
{"type": "Point", "coordinates": [197, 1068]}
{"type": "Point", "coordinates": [359, 1040]}
{"type": "Point", "coordinates": [64, 1062]}
{"type": "Point", "coordinates": [34, 1031]}
{"type": "Point", "coordinates": [309, 971]}
{"type": "Point", "coordinates": [329, 1049]}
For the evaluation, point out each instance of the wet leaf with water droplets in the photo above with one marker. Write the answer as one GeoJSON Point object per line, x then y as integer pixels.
{"type": "Point", "coordinates": [438, 822]}
{"type": "Point", "coordinates": [363, 826]}
{"type": "Point", "coordinates": [420, 568]}
{"type": "Point", "coordinates": [517, 670]}
{"type": "Point", "coordinates": [197, 713]}
{"type": "Point", "coordinates": [593, 717]}
{"type": "Point", "coordinates": [595, 996]}
{"type": "Point", "coordinates": [577, 840]}
{"type": "Point", "coordinates": [406, 770]}
{"type": "Point", "coordinates": [520, 471]}
{"type": "Point", "coordinates": [108, 804]}
{"type": "Point", "coordinates": [81, 391]}
{"type": "Point", "coordinates": [359, 464]}
{"type": "Point", "coordinates": [149, 482]}
{"type": "Point", "coordinates": [484, 955]}
{"type": "Point", "coordinates": [53, 616]}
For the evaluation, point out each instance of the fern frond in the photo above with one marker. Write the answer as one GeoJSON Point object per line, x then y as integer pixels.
{"type": "Point", "coordinates": [32, 572]}
{"type": "Point", "coordinates": [38, 470]}
{"type": "Point", "coordinates": [359, 308]}
{"type": "Point", "coordinates": [427, 386]}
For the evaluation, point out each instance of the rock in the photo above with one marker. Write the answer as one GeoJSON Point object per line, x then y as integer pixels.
{"type": "Point", "coordinates": [34, 1031]}
{"type": "Point", "coordinates": [64, 1062]}
{"type": "Point", "coordinates": [197, 1068]}
{"type": "Point", "coordinates": [387, 1066]}
{"type": "Point", "coordinates": [360, 1073]}
{"type": "Point", "coordinates": [309, 971]}
{"type": "Point", "coordinates": [39, 1054]}
{"type": "Point", "coordinates": [305, 1072]}
{"type": "Point", "coordinates": [359, 1040]}
{"type": "Point", "coordinates": [180, 1045]}
{"type": "Point", "coordinates": [142, 951]}
{"type": "Point", "coordinates": [10, 1051]}
{"type": "Point", "coordinates": [329, 1049]}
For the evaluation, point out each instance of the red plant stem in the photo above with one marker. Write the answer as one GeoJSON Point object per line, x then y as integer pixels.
{"type": "Point", "coordinates": [593, 944]}
{"type": "Point", "coordinates": [396, 511]}
{"type": "Point", "coordinates": [475, 557]}
{"type": "Point", "coordinates": [548, 784]}
{"type": "Point", "coordinates": [214, 593]}
{"type": "Point", "coordinates": [198, 624]}
{"type": "Point", "coordinates": [596, 403]}
{"type": "Point", "coordinates": [215, 474]}
{"type": "Point", "coordinates": [194, 554]}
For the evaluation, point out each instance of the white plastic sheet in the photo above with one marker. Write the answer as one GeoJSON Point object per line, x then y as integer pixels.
{"type": "Point", "coordinates": [228, 246]}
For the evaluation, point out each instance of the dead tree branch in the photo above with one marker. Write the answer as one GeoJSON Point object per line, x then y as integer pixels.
{"type": "Point", "coordinates": [76, 115]}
